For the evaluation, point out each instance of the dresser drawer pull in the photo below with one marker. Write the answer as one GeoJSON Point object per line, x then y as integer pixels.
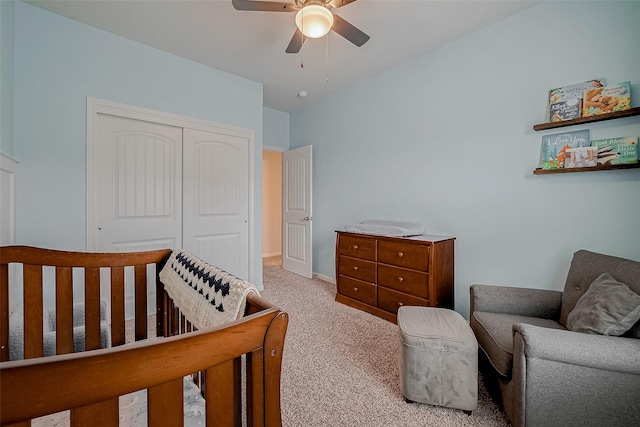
{"type": "Point", "coordinates": [400, 254]}
{"type": "Point", "coordinates": [355, 289]}
{"type": "Point", "coordinates": [355, 268]}
{"type": "Point", "coordinates": [400, 279]}
{"type": "Point", "coordinates": [355, 246]}
{"type": "Point", "coordinates": [400, 304]}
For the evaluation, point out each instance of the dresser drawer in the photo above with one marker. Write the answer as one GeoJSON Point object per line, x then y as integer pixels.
{"type": "Point", "coordinates": [357, 268]}
{"type": "Point", "coordinates": [408, 281]}
{"type": "Point", "coordinates": [360, 247]}
{"type": "Point", "coordinates": [389, 300]}
{"type": "Point", "coordinates": [357, 289]}
{"type": "Point", "coordinates": [404, 255]}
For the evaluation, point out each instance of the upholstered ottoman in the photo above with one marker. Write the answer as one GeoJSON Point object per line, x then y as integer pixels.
{"type": "Point", "coordinates": [438, 358]}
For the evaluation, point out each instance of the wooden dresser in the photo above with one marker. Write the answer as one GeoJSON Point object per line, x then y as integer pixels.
{"type": "Point", "coordinates": [379, 274]}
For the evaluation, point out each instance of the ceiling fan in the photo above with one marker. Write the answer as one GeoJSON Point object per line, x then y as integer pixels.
{"type": "Point", "coordinates": [314, 19]}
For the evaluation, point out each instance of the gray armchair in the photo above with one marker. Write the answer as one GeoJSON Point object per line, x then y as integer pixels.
{"type": "Point", "coordinates": [547, 375]}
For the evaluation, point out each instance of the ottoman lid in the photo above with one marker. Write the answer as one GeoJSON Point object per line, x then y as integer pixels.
{"type": "Point", "coordinates": [419, 324]}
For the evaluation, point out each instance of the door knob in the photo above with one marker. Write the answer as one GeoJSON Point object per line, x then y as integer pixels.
{"type": "Point", "coordinates": [307, 218]}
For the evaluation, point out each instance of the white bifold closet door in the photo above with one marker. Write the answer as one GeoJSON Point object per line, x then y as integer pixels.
{"type": "Point", "coordinates": [216, 199]}
{"type": "Point", "coordinates": [137, 180]}
{"type": "Point", "coordinates": [160, 186]}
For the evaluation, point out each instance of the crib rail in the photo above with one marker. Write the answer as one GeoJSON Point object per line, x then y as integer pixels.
{"type": "Point", "coordinates": [93, 380]}
{"type": "Point", "coordinates": [33, 259]}
{"type": "Point", "coordinates": [89, 383]}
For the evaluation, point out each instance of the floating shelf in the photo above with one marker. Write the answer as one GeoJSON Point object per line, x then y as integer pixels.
{"type": "Point", "coordinates": [582, 120]}
{"type": "Point", "coordinates": [589, 169]}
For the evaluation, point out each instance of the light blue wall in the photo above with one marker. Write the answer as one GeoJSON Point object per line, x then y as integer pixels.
{"type": "Point", "coordinates": [276, 130]}
{"type": "Point", "coordinates": [446, 140]}
{"type": "Point", "coordinates": [58, 63]}
{"type": "Point", "coordinates": [6, 76]}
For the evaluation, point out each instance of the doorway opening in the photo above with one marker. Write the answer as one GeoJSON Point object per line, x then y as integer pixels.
{"type": "Point", "coordinates": [271, 208]}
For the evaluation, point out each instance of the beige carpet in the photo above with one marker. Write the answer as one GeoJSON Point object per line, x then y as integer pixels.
{"type": "Point", "coordinates": [339, 364]}
{"type": "Point", "coordinates": [272, 260]}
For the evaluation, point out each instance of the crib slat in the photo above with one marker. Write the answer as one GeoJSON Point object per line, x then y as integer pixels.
{"type": "Point", "coordinates": [255, 389]}
{"type": "Point", "coordinates": [161, 321]}
{"type": "Point", "coordinates": [237, 378]}
{"type": "Point", "coordinates": [220, 395]}
{"type": "Point", "coordinates": [103, 414]}
{"type": "Point", "coordinates": [33, 330]}
{"type": "Point", "coordinates": [117, 306]}
{"type": "Point", "coordinates": [64, 310]}
{"type": "Point", "coordinates": [165, 405]}
{"type": "Point", "coordinates": [167, 314]}
{"type": "Point", "coordinates": [175, 329]}
{"type": "Point", "coordinates": [141, 301]}
{"type": "Point", "coordinates": [4, 312]}
{"type": "Point", "coordinates": [237, 388]}
{"type": "Point", "coordinates": [249, 391]}
{"type": "Point", "coordinates": [92, 308]}
{"type": "Point", "coordinates": [170, 316]}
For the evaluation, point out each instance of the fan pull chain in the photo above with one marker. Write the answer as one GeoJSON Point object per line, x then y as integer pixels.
{"type": "Point", "coordinates": [302, 41]}
{"type": "Point", "coordinates": [327, 59]}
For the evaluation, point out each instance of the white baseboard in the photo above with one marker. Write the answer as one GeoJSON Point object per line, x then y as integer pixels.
{"type": "Point", "coordinates": [325, 278]}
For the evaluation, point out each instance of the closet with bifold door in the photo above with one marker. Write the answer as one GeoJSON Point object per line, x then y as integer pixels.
{"type": "Point", "coordinates": [156, 180]}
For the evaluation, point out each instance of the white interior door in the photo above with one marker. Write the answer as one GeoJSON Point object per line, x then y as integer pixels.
{"type": "Point", "coordinates": [137, 185]}
{"type": "Point", "coordinates": [297, 218]}
{"type": "Point", "coordinates": [216, 199]}
{"type": "Point", "coordinates": [135, 192]}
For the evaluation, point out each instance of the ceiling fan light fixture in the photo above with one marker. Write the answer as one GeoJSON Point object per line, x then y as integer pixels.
{"type": "Point", "coordinates": [314, 20]}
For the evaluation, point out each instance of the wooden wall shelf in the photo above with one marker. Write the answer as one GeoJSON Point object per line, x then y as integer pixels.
{"type": "Point", "coordinates": [582, 120]}
{"type": "Point", "coordinates": [589, 169]}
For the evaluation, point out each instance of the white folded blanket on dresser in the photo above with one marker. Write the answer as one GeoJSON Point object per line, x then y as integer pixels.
{"type": "Point", "coordinates": [386, 228]}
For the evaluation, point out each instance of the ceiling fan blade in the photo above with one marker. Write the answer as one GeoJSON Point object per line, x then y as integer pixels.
{"type": "Point", "coordinates": [296, 42]}
{"type": "Point", "coordinates": [340, 3]}
{"type": "Point", "coordinates": [348, 31]}
{"type": "Point", "coordinates": [264, 6]}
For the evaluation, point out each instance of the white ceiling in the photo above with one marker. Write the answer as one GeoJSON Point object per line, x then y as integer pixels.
{"type": "Point", "coordinates": [252, 44]}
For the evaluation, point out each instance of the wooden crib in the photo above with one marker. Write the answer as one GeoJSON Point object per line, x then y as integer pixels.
{"type": "Point", "coordinates": [90, 383]}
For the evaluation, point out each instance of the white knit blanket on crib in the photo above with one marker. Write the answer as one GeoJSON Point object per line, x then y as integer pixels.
{"type": "Point", "coordinates": [206, 295]}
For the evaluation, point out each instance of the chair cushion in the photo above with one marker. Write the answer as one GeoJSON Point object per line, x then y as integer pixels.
{"type": "Point", "coordinates": [436, 328]}
{"type": "Point", "coordinates": [494, 332]}
{"type": "Point", "coordinates": [586, 267]}
{"type": "Point", "coordinates": [16, 330]}
{"type": "Point", "coordinates": [607, 308]}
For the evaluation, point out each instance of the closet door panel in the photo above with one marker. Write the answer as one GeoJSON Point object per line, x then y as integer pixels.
{"type": "Point", "coordinates": [137, 175]}
{"type": "Point", "coordinates": [216, 199]}
{"type": "Point", "coordinates": [136, 197]}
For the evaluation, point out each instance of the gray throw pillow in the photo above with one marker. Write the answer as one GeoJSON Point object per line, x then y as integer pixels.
{"type": "Point", "coordinates": [607, 308]}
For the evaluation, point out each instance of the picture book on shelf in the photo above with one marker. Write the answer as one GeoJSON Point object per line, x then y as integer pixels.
{"type": "Point", "coordinates": [608, 99]}
{"type": "Point", "coordinates": [617, 151]}
{"type": "Point", "coordinates": [571, 93]}
{"type": "Point", "coordinates": [581, 157]}
{"type": "Point", "coordinates": [566, 110]}
{"type": "Point", "coordinates": [554, 147]}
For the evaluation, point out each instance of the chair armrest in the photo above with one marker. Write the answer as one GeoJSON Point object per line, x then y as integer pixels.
{"type": "Point", "coordinates": [618, 354]}
{"type": "Point", "coordinates": [521, 301]}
